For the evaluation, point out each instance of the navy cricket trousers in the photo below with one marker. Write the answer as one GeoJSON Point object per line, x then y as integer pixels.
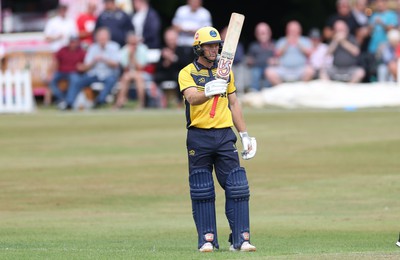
{"type": "Point", "coordinates": [213, 149]}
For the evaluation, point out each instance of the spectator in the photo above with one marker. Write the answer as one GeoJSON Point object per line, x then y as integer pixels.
{"type": "Point", "coordinates": [117, 21]}
{"type": "Point", "coordinates": [86, 22]}
{"type": "Point", "coordinates": [69, 65]}
{"type": "Point", "coordinates": [318, 56]}
{"type": "Point", "coordinates": [345, 52]}
{"type": "Point", "coordinates": [171, 61]}
{"type": "Point", "coordinates": [59, 29]}
{"type": "Point", "coordinates": [187, 20]}
{"type": "Point", "coordinates": [239, 65]}
{"type": "Point", "coordinates": [366, 59]}
{"type": "Point", "coordinates": [380, 23]}
{"type": "Point", "coordinates": [359, 11]}
{"type": "Point", "coordinates": [343, 12]}
{"type": "Point", "coordinates": [259, 55]}
{"type": "Point", "coordinates": [398, 12]}
{"type": "Point", "coordinates": [133, 58]}
{"type": "Point", "coordinates": [387, 56]}
{"type": "Point", "coordinates": [101, 65]}
{"type": "Point", "coordinates": [293, 52]}
{"type": "Point", "coordinates": [147, 23]}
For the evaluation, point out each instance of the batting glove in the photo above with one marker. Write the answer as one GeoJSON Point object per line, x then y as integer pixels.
{"type": "Point", "coordinates": [249, 145]}
{"type": "Point", "coordinates": [215, 87]}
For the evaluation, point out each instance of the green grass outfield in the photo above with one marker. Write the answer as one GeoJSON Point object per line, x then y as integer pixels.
{"type": "Point", "coordinates": [113, 185]}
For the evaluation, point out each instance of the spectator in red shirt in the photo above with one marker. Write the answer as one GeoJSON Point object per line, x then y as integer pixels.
{"type": "Point", "coordinates": [86, 23]}
{"type": "Point", "coordinates": [69, 63]}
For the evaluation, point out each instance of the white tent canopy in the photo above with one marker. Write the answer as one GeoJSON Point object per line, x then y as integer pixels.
{"type": "Point", "coordinates": [326, 94]}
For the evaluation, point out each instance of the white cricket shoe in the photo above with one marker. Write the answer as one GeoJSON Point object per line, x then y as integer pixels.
{"type": "Point", "coordinates": [207, 247]}
{"type": "Point", "coordinates": [245, 247]}
{"type": "Point", "coordinates": [398, 243]}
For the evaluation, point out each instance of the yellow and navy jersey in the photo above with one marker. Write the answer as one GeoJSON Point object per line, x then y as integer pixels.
{"type": "Point", "coordinates": [197, 75]}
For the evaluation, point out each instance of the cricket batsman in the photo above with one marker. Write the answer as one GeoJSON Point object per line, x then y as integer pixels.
{"type": "Point", "coordinates": [211, 145]}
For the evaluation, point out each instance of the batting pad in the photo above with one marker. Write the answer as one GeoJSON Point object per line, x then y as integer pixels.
{"type": "Point", "coordinates": [202, 193]}
{"type": "Point", "coordinates": [237, 206]}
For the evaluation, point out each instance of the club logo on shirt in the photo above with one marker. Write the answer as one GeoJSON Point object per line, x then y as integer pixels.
{"type": "Point", "coordinates": [192, 152]}
{"type": "Point", "coordinates": [201, 81]}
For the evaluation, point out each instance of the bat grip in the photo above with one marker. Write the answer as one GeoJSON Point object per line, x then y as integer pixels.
{"type": "Point", "coordinates": [214, 106]}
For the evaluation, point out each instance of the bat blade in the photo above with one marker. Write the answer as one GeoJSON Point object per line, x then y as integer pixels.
{"type": "Point", "coordinates": [228, 52]}
{"type": "Point", "coordinates": [230, 44]}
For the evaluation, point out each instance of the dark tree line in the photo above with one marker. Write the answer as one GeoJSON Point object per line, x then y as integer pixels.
{"type": "Point", "coordinates": [311, 13]}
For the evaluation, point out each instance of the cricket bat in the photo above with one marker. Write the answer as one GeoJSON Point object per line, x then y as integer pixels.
{"type": "Point", "coordinates": [228, 52]}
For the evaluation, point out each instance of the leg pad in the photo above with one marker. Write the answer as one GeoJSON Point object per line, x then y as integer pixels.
{"type": "Point", "coordinates": [237, 194]}
{"type": "Point", "coordinates": [202, 193]}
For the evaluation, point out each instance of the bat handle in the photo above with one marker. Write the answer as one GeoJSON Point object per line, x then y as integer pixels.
{"type": "Point", "coordinates": [214, 106]}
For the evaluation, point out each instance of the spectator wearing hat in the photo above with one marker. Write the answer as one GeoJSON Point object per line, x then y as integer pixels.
{"type": "Point", "coordinates": [69, 64]}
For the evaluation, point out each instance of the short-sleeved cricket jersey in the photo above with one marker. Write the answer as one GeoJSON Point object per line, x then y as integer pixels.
{"type": "Point", "coordinates": [196, 75]}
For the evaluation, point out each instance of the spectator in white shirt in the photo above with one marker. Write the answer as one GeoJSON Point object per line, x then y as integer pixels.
{"type": "Point", "coordinates": [187, 20]}
{"type": "Point", "coordinates": [59, 29]}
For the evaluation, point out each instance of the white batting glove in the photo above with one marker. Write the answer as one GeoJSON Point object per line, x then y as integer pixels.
{"type": "Point", "coordinates": [215, 87]}
{"type": "Point", "coordinates": [249, 145]}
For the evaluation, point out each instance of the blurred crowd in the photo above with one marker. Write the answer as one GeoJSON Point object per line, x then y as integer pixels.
{"type": "Point", "coordinates": [360, 42]}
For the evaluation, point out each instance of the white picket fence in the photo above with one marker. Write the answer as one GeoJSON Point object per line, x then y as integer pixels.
{"type": "Point", "coordinates": [16, 92]}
